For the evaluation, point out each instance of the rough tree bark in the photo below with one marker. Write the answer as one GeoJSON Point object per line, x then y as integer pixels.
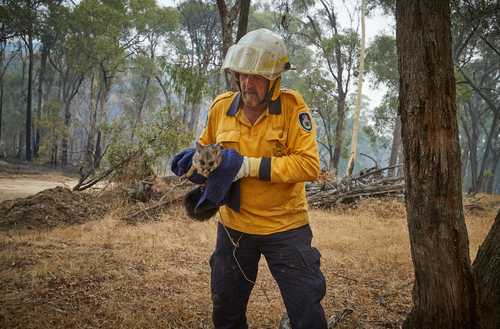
{"type": "Point", "coordinates": [443, 292]}
{"type": "Point", "coordinates": [240, 9]}
{"type": "Point", "coordinates": [227, 19]}
{"type": "Point", "coordinates": [243, 20]}
{"type": "Point", "coordinates": [486, 269]}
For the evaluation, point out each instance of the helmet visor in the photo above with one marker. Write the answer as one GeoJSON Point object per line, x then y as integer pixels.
{"type": "Point", "coordinates": [251, 60]}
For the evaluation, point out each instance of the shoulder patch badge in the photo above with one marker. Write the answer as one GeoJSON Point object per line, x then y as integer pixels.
{"type": "Point", "coordinates": [305, 121]}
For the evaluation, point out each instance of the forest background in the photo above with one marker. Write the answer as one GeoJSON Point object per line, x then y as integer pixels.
{"type": "Point", "coordinates": [84, 84]}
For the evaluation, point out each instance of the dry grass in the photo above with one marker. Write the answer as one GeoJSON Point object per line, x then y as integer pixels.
{"type": "Point", "coordinates": [107, 274]}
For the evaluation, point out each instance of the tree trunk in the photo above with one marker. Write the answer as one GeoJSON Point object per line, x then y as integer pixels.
{"type": "Point", "coordinates": [1, 107]}
{"type": "Point", "coordinates": [355, 126]}
{"type": "Point", "coordinates": [98, 150]}
{"type": "Point", "coordinates": [65, 138]}
{"type": "Point", "coordinates": [89, 149]}
{"type": "Point", "coordinates": [103, 93]}
{"type": "Point", "coordinates": [339, 133]}
{"type": "Point", "coordinates": [473, 140]}
{"type": "Point", "coordinates": [396, 146]}
{"type": "Point", "coordinates": [41, 79]}
{"type": "Point", "coordinates": [138, 117]}
{"type": "Point", "coordinates": [243, 19]}
{"type": "Point", "coordinates": [227, 19]}
{"type": "Point", "coordinates": [193, 120]}
{"type": "Point", "coordinates": [2, 56]}
{"type": "Point", "coordinates": [491, 179]}
{"type": "Point", "coordinates": [28, 125]}
{"type": "Point", "coordinates": [496, 184]}
{"type": "Point", "coordinates": [19, 153]}
{"type": "Point", "coordinates": [165, 92]}
{"type": "Point", "coordinates": [443, 292]}
{"type": "Point", "coordinates": [464, 160]}
{"type": "Point", "coordinates": [481, 177]}
{"type": "Point", "coordinates": [486, 275]}
{"type": "Point", "coordinates": [54, 153]}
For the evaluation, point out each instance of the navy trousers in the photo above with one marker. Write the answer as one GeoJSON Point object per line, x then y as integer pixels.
{"type": "Point", "coordinates": [293, 263]}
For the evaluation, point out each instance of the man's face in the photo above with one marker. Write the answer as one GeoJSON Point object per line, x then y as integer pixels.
{"type": "Point", "coordinates": [253, 89]}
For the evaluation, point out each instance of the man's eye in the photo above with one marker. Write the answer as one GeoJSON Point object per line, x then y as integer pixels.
{"type": "Point", "coordinates": [211, 163]}
{"type": "Point", "coordinates": [202, 162]}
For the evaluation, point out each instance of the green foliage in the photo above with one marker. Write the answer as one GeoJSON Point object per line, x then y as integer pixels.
{"type": "Point", "coordinates": [348, 40]}
{"type": "Point", "coordinates": [100, 28]}
{"type": "Point", "coordinates": [149, 19]}
{"type": "Point", "coordinates": [488, 173]}
{"type": "Point", "coordinates": [159, 139]}
{"type": "Point", "coordinates": [53, 129]}
{"type": "Point", "coordinates": [19, 18]}
{"type": "Point", "coordinates": [382, 61]}
{"type": "Point", "coordinates": [260, 19]}
{"type": "Point", "coordinates": [463, 90]}
{"type": "Point", "coordinates": [189, 81]}
{"type": "Point", "coordinates": [388, 6]}
{"type": "Point", "coordinates": [386, 113]}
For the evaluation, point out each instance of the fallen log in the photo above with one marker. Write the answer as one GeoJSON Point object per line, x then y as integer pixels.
{"type": "Point", "coordinates": [327, 199]}
{"type": "Point", "coordinates": [369, 183]}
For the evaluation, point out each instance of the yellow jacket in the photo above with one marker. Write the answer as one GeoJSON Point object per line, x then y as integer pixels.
{"type": "Point", "coordinates": [284, 136]}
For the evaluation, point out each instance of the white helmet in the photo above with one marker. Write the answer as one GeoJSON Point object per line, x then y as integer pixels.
{"type": "Point", "coordinates": [261, 52]}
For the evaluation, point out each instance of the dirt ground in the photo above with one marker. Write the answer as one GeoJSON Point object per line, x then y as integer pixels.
{"type": "Point", "coordinates": [14, 186]}
{"type": "Point", "coordinates": [107, 273]}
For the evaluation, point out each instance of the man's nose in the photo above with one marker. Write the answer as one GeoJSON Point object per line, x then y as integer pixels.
{"type": "Point", "coordinates": [250, 82]}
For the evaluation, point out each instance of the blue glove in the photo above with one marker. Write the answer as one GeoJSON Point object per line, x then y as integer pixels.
{"type": "Point", "coordinates": [219, 188]}
{"type": "Point", "coordinates": [181, 164]}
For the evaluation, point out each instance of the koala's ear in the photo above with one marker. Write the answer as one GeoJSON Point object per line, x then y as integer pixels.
{"type": "Point", "coordinates": [198, 146]}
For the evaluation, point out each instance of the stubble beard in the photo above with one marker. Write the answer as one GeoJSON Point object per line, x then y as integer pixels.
{"type": "Point", "coordinates": [251, 99]}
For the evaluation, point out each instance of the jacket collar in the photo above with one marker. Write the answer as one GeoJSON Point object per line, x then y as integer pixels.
{"type": "Point", "coordinates": [274, 106]}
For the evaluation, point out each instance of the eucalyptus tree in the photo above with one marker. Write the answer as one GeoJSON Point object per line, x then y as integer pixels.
{"type": "Point", "coordinates": [477, 59]}
{"type": "Point", "coordinates": [229, 13]}
{"type": "Point", "coordinates": [70, 64]}
{"type": "Point", "coordinates": [13, 102]}
{"type": "Point", "coordinates": [195, 59]}
{"type": "Point", "coordinates": [106, 38]}
{"type": "Point", "coordinates": [21, 19]}
{"type": "Point", "coordinates": [7, 56]}
{"type": "Point", "coordinates": [444, 290]}
{"type": "Point", "coordinates": [154, 25]}
{"type": "Point", "coordinates": [316, 91]}
{"type": "Point", "coordinates": [381, 62]}
{"type": "Point", "coordinates": [361, 72]}
{"type": "Point", "coordinates": [336, 49]}
{"type": "Point", "coordinates": [46, 35]}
